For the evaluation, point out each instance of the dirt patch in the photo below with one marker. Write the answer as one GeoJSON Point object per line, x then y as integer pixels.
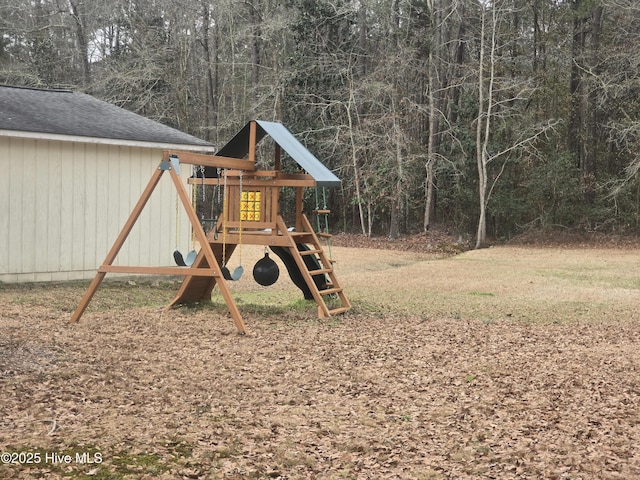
{"type": "Point", "coordinates": [23, 358]}
{"type": "Point", "coordinates": [502, 363]}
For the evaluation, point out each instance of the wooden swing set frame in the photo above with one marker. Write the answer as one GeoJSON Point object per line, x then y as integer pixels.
{"type": "Point", "coordinates": [255, 223]}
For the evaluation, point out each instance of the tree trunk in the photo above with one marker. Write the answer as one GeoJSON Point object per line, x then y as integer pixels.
{"type": "Point", "coordinates": [582, 132]}
{"type": "Point", "coordinates": [81, 38]}
{"type": "Point", "coordinates": [435, 109]}
{"type": "Point", "coordinates": [254, 18]}
{"type": "Point", "coordinates": [431, 150]}
{"type": "Point", "coordinates": [588, 169]}
{"type": "Point", "coordinates": [398, 194]}
{"type": "Point", "coordinates": [362, 39]}
{"type": "Point", "coordinates": [211, 97]}
{"type": "Point", "coordinates": [574, 131]}
{"type": "Point", "coordinates": [481, 233]}
{"type": "Point", "coordinates": [483, 127]}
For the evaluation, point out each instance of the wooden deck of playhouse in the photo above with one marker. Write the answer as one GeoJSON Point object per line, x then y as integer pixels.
{"type": "Point", "coordinates": [250, 216]}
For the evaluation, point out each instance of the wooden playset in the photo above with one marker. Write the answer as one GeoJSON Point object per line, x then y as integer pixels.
{"type": "Point", "coordinates": [250, 215]}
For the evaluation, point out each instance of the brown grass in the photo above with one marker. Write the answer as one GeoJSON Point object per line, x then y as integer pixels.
{"type": "Point", "coordinates": [510, 362]}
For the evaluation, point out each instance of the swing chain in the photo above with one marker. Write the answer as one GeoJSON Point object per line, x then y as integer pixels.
{"type": "Point", "coordinates": [240, 230]}
{"type": "Point", "coordinates": [224, 223]}
{"type": "Point", "coordinates": [216, 211]}
{"type": "Point", "coordinates": [177, 221]}
{"type": "Point", "coordinates": [219, 172]}
{"type": "Point", "coordinates": [202, 175]}
{"type": "Point", "coordinates": [323, 229]}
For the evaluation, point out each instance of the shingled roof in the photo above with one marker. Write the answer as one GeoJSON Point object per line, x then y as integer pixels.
{"type": "Point", "coordinates": [31, 112]}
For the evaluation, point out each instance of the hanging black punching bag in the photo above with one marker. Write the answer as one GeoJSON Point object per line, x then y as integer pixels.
{"type": "Point", "coordinates": [266, 271]}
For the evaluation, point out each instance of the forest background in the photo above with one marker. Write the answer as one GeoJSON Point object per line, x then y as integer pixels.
{"type": "Point", "coordinates": [484, 117]}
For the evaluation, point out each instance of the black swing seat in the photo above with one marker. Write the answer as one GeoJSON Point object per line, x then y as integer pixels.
{"type": "Point", "coordinates": [181, 261]}
{"type": "Point", "coordinates": [235, 276]}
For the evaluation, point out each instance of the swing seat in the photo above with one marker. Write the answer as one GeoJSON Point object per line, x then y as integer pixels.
{"type": "Point", "coordinates": [181, 261]}
{"type": "Point", "coordinates": [237, 273]}
{"type": "Point", "coordinates": [191, 257]}
{"type": "Point", "coordinates": [235, 276]}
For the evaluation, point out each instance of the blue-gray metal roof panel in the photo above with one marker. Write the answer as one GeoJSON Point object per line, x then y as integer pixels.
{"type": "Point", "coordinates": [238, 147]}
{"type": "Point", "coordinates": [303, 157]}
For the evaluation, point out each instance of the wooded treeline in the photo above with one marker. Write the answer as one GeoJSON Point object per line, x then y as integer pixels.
{"type": "Point", "coordinates": [488, 117]}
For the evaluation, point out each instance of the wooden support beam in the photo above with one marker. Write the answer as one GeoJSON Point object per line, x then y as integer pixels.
{"type": "Point", "coordinates": [249, 238]}
{"type": "Point", "coordinates": [205, 160]}
{"type": "Point", "coordinates": [280, 181]}
{"type": "Point", "coordinates": [263, 173]}
{"type": "Point", "coordinates": [185, 271]}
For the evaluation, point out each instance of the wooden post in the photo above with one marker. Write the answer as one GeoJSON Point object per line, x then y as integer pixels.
{"type": "Point", "coordinates": [252, 142]}
{"type": "Point", "coordinates": [277, 160]}
{"type": "Point", "coordinates": [299, 208]}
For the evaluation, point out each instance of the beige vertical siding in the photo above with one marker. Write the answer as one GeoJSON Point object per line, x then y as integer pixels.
{"type": "Point", "coordinates": [62, 205]}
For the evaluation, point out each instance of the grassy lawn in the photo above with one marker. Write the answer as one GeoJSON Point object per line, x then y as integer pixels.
{"type": "Point", "coordinates": [501, 363]}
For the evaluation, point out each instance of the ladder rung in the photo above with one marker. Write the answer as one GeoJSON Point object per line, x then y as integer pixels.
{"type": "Point", "coordinates": [300, 234]}
{"type": "Point", "coordinates": [310, 252]}
{"type": "Point", "coordinates": [322, 212]}
{"type": "Point", "coordinates": [329, 291]}
{"type": "Point", "coordinates": [320, 271]}
{"type": "Point", "coordinates": [336, 311]}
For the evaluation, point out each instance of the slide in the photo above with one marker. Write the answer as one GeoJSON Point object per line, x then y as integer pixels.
{"type": "Point", "coordinates": [312, 263]}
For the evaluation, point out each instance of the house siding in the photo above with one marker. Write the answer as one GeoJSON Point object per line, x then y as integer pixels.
{"type": "Point", "coordinates": [62, 205]}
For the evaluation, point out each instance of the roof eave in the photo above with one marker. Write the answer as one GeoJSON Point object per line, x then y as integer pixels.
{"type": "Point", "coordinates": [106, 141]}
{"type": "Point", "coordinates": [328, 184]}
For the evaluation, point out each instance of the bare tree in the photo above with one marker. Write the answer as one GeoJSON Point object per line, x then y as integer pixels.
{"type": "Point", "coordinates": [498, 99]}
{"type": "Point", "coordinates": [410, 101]}
{"type": "Point", "coordinates": [81, 39]}
{"type": "Point", "coordinates": [582, 132]}
{"type": "Point", "coordinates": [441, 68]}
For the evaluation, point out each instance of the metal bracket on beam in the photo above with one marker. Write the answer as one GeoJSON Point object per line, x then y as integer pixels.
{"type": "Point", "coordinates": [173, 162]}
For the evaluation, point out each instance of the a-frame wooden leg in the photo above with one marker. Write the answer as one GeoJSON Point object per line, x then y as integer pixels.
{"type": "Point", "coordinates": [188, 288]}
{"type": "Point", "coordinates": [205, 249]}
{"type": "Point", "coordinates": [88, 295]}
{"type": "Point", "coordinates": [117, 245]}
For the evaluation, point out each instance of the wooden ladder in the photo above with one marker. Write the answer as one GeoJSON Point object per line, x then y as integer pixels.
{"type": "Point", "coordinates": [325, 267]}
